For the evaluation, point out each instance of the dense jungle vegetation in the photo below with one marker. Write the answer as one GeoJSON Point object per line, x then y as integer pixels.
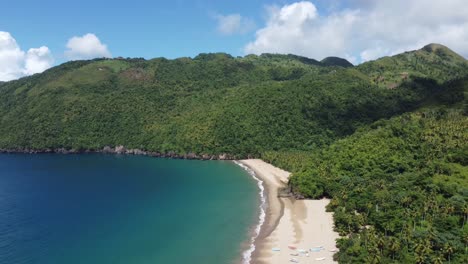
{"type": "Point", "coordinates": [399, 187]}
{"type": "Point", "coordinates": [386, 140]}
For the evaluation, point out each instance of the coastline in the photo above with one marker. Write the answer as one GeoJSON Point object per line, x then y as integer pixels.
{"type": "Point", "coordinates": [288, 222]}
{"type": "Point", "coordinates": [121, 150]}
{"type": "Point", "coordinates": [283, 221]}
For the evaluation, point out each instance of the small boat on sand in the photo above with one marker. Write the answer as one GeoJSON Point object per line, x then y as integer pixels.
{"type": "Point", "coordinates": [303, 251]}
{"type": "Point", "coordinates": [294, 254]}
{"type": "Point", "coordinates": [333, 250]}
{"type": "Point", "coordinates": [319, 259]}
{"type": "Point", "coordinates": [275, 249]}
{"type": "Point", "coordinates": [292, 247]}
{"type": "Point", "coordinates": [294, 260]}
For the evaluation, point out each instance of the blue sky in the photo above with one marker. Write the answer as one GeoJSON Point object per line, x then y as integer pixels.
{"type": "Point", "coordinates": [131, 28]}
{"type": "Point", "coordinates": [39, 34]}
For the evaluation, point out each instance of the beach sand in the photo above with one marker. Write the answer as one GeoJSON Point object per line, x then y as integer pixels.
{"type": "Point", "coordinates": [302, 223]}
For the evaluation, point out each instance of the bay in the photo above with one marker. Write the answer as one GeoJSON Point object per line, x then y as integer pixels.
{"type": "Point", "coordinates": [93, 208]}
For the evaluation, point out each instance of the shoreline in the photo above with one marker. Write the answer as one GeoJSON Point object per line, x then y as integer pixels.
{"type": "Point", "coordinates": [282, 221]}
{"type": "Point", "coordinates": [247, 253]}
{"type": "Point", "coordinates": [304, 224]}
{"type": "Point", "coordinates": [121, 150]}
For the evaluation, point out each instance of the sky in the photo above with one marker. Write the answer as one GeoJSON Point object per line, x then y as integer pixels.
{"type": "Point", "coordinates": [36, 35]}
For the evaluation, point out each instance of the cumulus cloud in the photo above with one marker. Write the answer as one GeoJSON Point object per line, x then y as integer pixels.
{"type": "Point", "coordinates": [365, 31]}
{"type": "Point", "coordinates": [37, 60]}
{"type": "Point", "coordinates": [86, 47]}
{"type": "Point", "coordinates": [15, 63]}
{"type": "Point", "coordinates": [234, 24]}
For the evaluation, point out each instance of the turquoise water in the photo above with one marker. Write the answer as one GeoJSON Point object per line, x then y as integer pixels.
{"type": "Point", "coordinates": [123, 209]}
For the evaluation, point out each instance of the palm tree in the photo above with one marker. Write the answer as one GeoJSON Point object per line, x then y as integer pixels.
{"type": "Point", "coordinates": [419, 248]}
{"type": "Point", "coordinates": [381, 243]}
{"type": "Point", "coordinates": [419, 258]}
{"type": "Point", "coordinates": [438, 259]}
{"type": "Point", "coordinates": [394, 246]}
{"type": "Point", "coordinates": [465, 214]}
{"type": "Point", "coordinates": [425, 209]}
{"type": "Point", "coordinates": [427, 250]}
{"type": "Point", "coordinates": [415, 215]}
{"type": "Point", "coordinates": [374, 258]}
{"type": "Point", "coordinates": [448, 251]}
{"type": "Point", "coordinates": [432, 234]}
{"type": "Point", "coordinates": [449, 209]}
{"type": "Point", "coordinates": [369, 207]}
{"type": "Point", "coordinates": [407, 235]}
{"type": "Point", "coordinates": [422, 249]}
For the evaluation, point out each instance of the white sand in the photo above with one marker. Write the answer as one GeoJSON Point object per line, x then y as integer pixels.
{"type": "Point", "coordinates": [302, 223]}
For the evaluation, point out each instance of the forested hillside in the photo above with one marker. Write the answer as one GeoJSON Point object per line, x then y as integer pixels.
{"type": "Point", "coordinates": [211, 104]}
{"type": "Point", "coordinates": [399, 187]}
{"type": "Point", "coordinates": [386, 140]}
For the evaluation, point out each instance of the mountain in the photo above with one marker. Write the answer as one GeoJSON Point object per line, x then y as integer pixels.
{"type": "Point", "coordinates": [385, 140]}
{"type": "Point", "coordinates": [398, 186]}
{"type": "Point", "coordinates": [443, 51]}
{"type": "Point", "coordinates": [212, 104]}
{"type": "Point", "coordinates": [336, 61]}
{"type": "Point", "coordinates": [433, 61]}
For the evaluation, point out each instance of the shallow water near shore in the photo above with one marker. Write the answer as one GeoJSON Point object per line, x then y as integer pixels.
{"type": "Point", "coordinates": [94, 208]}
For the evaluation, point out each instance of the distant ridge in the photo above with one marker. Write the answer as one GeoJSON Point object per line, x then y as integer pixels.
{"type": "Point", "coordinates": [328, 61]}
{"type": "Point", "coordinates": [336, 61]}
{"type": "Point", "coordinates": [302, 59]}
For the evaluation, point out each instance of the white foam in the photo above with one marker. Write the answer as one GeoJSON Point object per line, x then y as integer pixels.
{"type": "Point", "coordinates": [247, 255]}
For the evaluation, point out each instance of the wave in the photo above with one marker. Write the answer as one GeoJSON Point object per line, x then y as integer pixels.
{"type": "Point", "coordinates": [247, 255]}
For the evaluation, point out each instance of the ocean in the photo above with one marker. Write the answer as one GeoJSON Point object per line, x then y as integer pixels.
{"type": "Point", "coordinates": [93, 208]}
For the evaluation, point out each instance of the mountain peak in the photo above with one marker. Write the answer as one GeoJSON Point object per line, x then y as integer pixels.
{"type": "Point", "coordinates": [442, 51]}
{"type": "Point", "coordinates": [433, 47]}
{"type": "Point", "coordinates": [336, 61]}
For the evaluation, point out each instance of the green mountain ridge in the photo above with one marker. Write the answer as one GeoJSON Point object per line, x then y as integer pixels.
{"type": "Point", "coordinates": [211, 104]}
{"type": "Point", "coordinates": [336, 61]}
{"type": "Point", "coordinates": [386, 140]}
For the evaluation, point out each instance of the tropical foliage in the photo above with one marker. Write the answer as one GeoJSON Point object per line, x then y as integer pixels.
{"type": "Point", "coordinates": [385, 140]}
{"type": "Point", "coordinates": [399, 187]}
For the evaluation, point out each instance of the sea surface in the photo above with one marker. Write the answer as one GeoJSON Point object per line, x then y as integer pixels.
{"type": "Point", "coordinates": [93, 208]}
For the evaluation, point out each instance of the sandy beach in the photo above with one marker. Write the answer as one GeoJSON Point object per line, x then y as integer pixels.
{"type": "Point", "coordinates": [303, 224]}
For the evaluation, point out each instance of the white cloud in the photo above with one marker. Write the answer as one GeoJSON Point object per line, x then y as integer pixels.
{"type": "Point", "coordinates": [234, 24]}
{"type": "Point", "coordinates": [366, 31]}
{"type": "Point", "coordinates": [38, 60]}
{"type": "Point", "coordinates": [15, 63]}
{"type": "Point", "coordinates": [85, 47]}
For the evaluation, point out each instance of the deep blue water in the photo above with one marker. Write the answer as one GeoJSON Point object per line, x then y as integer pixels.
{"type": "Point", "coordinates": [123, 209]}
